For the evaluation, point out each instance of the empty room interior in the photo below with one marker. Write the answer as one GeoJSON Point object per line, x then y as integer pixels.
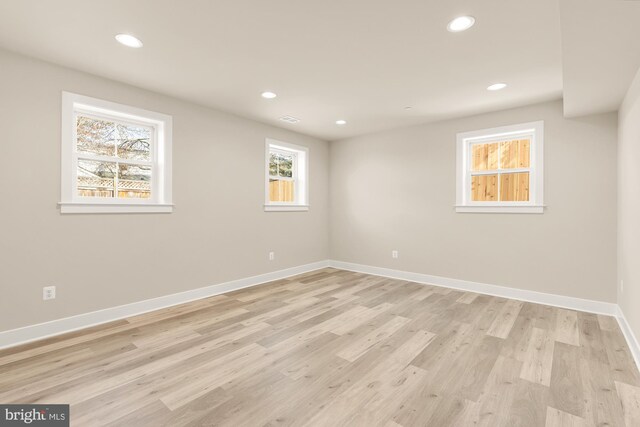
{"type": "Point", "coordinates": [331, 213]}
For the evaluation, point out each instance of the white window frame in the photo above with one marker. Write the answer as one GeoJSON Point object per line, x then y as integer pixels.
{"type": "Point", "coordinates": [535, 132]}
{"type": "Point", "coordinates": [300, 174]}
{"type": "Point", "coordinates": [161, 150]}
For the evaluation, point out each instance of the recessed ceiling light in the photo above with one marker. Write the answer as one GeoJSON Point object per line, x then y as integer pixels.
{"type": "Point", "coordinates": [341, 122]}
{"type": "Point", "coordinates": [497, 86]}
{"type": "Point", "coordinates": [461, 23]}
{"type": "Point", "coordinates": [129, 40]}
{"type": "Point", "coordinates": [268, 95]}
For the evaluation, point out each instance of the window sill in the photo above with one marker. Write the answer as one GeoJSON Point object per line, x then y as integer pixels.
{"type": "Point", "coordinates": [286, 208]}
{"type": "Point", "coordinates": [530, 209]}
{"type": "Point", "coordinates": [113, 208]}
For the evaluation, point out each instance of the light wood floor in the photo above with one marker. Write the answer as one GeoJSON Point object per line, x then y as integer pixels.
{"type": "Point", "coordinates": [333, 348]}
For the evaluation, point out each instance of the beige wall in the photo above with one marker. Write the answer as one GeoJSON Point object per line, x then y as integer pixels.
{"type": "Point", "coordinates": [218, 231]}
{"type": "Point", "coordinates": [396, 190]}
{"type": "Point", "coordinates": [629, 206]}
{"type": "Point", "coordinates": [391, 190]}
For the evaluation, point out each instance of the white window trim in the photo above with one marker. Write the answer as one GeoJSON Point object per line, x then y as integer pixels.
{"type": "Point", "coordinates": [301, 173]}
{"type": "Point", "coordinates": [161, 188]}
{"type": "Point", "coordinates": [536, 170]}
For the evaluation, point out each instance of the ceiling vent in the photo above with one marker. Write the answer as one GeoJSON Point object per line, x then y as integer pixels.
{"type": "Point", "coordinates": [289, 119]}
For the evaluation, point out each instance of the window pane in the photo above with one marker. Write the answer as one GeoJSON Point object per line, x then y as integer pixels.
{"type": "Point", "coordinates": [281, 165]}
{"type": "Point", "coordinates": [101, 137]}
{"type": "Point", "coordinates": [286, 166]}
{"type": "Point", "coordinates": [96, 179]}
{"type": "Point", "coordinates": [484, 188]}
{"type": "Point", "coordinates": [281, 191]}
{"type": "Point", "coordinates": [96, 136]}
{"type": "Point", "coordinates": [134, 142]}
{"type": "Point", "coordinates": [514, 187]}
{"type": "Point", "coordinates": [134, 181]}
{"type": "Point", "coordinates": [514, 154]}
{"type": "Point", "coordinates": [484, 157]}
{"type": "Point", "coordinates": [273, 164]}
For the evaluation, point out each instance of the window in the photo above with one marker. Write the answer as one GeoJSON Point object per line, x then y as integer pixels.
{"type": "Point", "coordinates": [115, 158]}
{"type": "Point", "coordinates": [500, 170]}
{"type": "Point", "coordinates": [286, 177]}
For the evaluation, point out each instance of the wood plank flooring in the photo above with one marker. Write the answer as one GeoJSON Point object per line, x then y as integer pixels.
{"type": "Point", "coordinates": [336, 348]}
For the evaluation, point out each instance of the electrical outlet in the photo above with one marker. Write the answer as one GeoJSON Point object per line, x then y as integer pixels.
{"type": "Point", "coordinates": [394, 254]}
{"type": "Point", "coordinates": [272, 256]}
{"type": "Point", "coordinates": [48, 292]}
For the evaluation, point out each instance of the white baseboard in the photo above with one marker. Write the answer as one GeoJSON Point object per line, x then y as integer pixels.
{"type": "Point", "coordinates": [572, 303]}
{"type": "Point", "coordinates": [629, 336]}
{"type": "Point", "coordinates": [27, 334]}
{"type": "Point", "coordinates": [599, 307]}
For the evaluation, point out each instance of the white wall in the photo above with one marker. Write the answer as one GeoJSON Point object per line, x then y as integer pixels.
{"type": "Point", "coordinates": [396, 190]}
{"type": "Point", "coordinates": [218, 231]}
{"type": "Point", "coordinates": [629, 206]}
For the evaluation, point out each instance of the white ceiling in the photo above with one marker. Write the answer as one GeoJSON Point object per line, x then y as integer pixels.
{"type": "Point", "coordinates": [600, 53]}
{"type": "Point", "coordinates": [359, 60]}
